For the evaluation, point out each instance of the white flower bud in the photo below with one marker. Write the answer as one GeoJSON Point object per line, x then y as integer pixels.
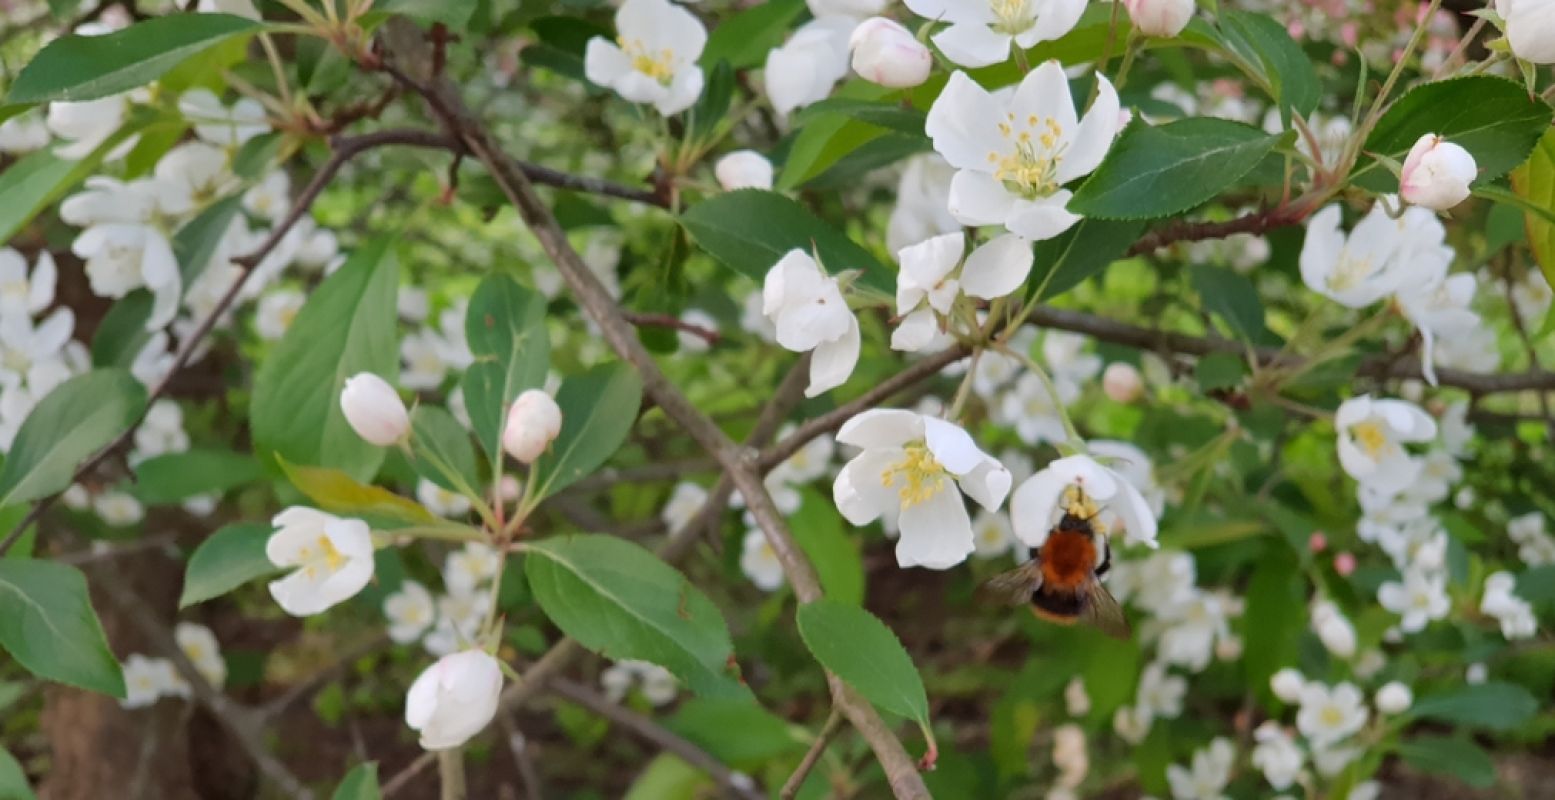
{"type": "Point", "coordinates": [1122, 382]}
{"type": "Point", "coordinates": [1436, 174]}
{"type": "Point", "coordinates": [1164, 18]}
{"type": "Point", "coordinates": [453, 699]}
{"type": "Point", "coordinates": [743, 169]}
{"type": "Point", "coordinates": [374, 410]}
{"type": "Point", "coordinates": [1287, 685]}
{"type": "Point", "coordinates": [887, 54]}
{"type": "Point", "coordinates": [1394, 698]}
{"type": "Point", "coordinates": [534, 420]}
{"type": "Point", "coordinates": [1530, 29]}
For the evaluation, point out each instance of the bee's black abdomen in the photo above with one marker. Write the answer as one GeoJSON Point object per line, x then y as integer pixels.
{"type": "Point", "coordinates": [1061, 604]}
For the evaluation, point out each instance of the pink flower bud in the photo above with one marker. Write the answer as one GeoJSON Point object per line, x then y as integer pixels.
{"type": "Point", "coordinates": [1165, 18]}
{"type": "Point", "coordinates": [1344, 564]}
{"type": "Point", "coordinates": [534, 420]}
{"type": "Point", "coordinates": [1436, 174]}
{"type": "Point", "coordinates": [1122, 382]}
{"type": "Point", "coordinates": [1317, 542]}
{"type": "Point", "coordinates": [743, 169]}
{"type": "Point", "coordinates": [885, 53]}
{"type": "Point", "coordinates": [374, 410]}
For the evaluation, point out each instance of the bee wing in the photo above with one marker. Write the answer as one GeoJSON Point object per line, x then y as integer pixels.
{"type": "Point", "coordinates": [1101, 609]}
{"type": "Point", "coordinates": [1014, 587]}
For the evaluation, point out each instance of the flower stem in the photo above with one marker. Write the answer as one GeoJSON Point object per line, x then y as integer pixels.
{"type": "Point", "coordinates": [1052, 390]}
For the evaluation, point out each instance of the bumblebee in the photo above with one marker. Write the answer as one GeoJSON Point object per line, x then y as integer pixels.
{"type": "Point", "coordinates": [1062, 581]}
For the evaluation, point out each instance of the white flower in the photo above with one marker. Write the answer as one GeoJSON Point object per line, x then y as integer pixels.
{"type": "Point", "coordinates": [1134, 466]}
{"type": "Point", "coordinates": [1394, 698]}
{"type": "Point", "coordinates": [1209, 773]}
{"type": "Point", "coordinates": [658, 685]}
{"type": "Point", "coordinates": [915, 464]}
{"type": "Point", "coordinates": [1077, 703]}
{"type": "Point", "coordinates": [23, 134]}
{"type": "Point", "coordinates": [1530, 29]}
{"type": "Point", "coordinates": [533, 422]}
{"type": "Point", "coordinates": [118, 509]}
{"type": "Point", "coordinates": [276, 311]}
{"type": "Point", "coordinates": [35, 354]}
{"type": "Point", "coordinates": [1160, 693]}
{"type": "Point", "coordinates": [846, 8]}
{"type": "Point", "coordinates": [1287, 684]}
{"type": "Point", "coordinates": [240, 8]}
{"type": "Point", "coordinates": [1333, 629]}
{"type": "Point", "coordinates": [440, 501]}
{"type": "Point", "coordinates": [1437, 173]}
{"type": "Point", "coordinates": [459, 617]}
{"type": "Point", "coordinates": [410, 611]}
{"type": "Point", "coordinates": [992, 535]}
{"type": "Point", "coordinates": [269, 199]}
{"type": "Point", "coordinates": [146, 680]}
{"type": "Point", "coordinates": [87, 125]}
{"type": "Point", "coordinates": [1532, 296]}
{"type": "Point", "coordinates": [1534, 546]}
{"type": "Point", "coordinates": [807, 308]}
{"type": "Point", "coordinates": [1193, 628]}
{"type": "Point", "coordinates": [453, 699]}
{"type": "Point", "coordinates": [1069, 755]}
{"type": "Point", "coordinates": [333, 558]}
{"type": "Point", "coordinates": [23, 293]}
{"type": "Point", "coordinates": [470, 566]}
{"type": "Point", "coordinates": [1372, 435]}
{"type": "Point", "coordinates": [1015, 154]}
{"type": "Point", "coordinates": [1476, 673]}
{"type": "Point", "coordinates": [1419, 598]}
{"type": "Point", "coordinates": [743, 169]}
{"type": "Point", "coordinates": [804, 69]}
{"type": "Point", "coordinates": [691, 342]}
{"type": "Point", "coordinates": [760, 563]}
{"type": "Point", "coordinates": [1165, 18]}
{"type": "Point", "coordinates": [1131, 724]}
{"type": "Point", "coordinates": [982, 31]}
{"type": "Point", "coordinates": [1330, 760]}
{"type": "Point", "coordinates": [922, 197]}
{"type": "Point", "coordinates": [809, 462]}
{"type": "Point", "coordinates": [1514, 614]}
{"type": "Point", "coordinates": [374, 409]}
{"type": "Point", "coordinates": [1437, 303]}
{"type": "Point", "coordinates": [1365, 790]}
{"type": "Point", "coordinates": [655, 62]}
{"type": "Point", "coordinates": [200, 646]}
{"type": "Point", "coordinates": [318, 250]}
{"type": "Point", "coordinates": [192, 175]}
{"type": "Point", "coordinates": [685, 501]}
{"type": "Point", "coordinates": [220, 125]}
{"type": "Point", "coordinates": [1079, 485]}
{"type": "Point", "coordinates": [1359, 269]}
{"type": "Point", "coordinates": [1277, 755]}
{"type": "Point", "coordinates": [162, 431]}
{"type": "Point", "coordinates": [887, 54]}
{"type": "Point", "coordinates": [1328, 715]}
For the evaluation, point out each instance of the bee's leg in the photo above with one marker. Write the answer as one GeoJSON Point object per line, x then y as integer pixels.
{"type": "Point", "coordinates": [1106, 559]}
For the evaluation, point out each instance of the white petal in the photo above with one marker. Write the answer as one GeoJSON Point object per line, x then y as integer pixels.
{"type": "Point", "coordinates": [882, 427]}
{"type": "Point", "coordinates": [997, 268]}
{"type": "Point", "coordinates": [833, 361]}
{"type": "Point", "coordinates": [977, 199]}
{"type": "Point", "coordinates": [859, 492]}
{"type": "Point", "coordinates": [963, 122]}
{"type": "Point", "coordinates": [936, 533]}
{"type": "Point", "coordinates": [988, 484]}
{"type": "Point", "coordinates": [1044, 93]}
{"type": "Point", "coordinates": [1139, 524]}
{"type": "Point", "coordinates": [1042, 219]}
{"type": "Point", "coordinates": [1093, 137]}
{"type": "Point", "coordinates": [915, 332]}
{"type": "Point", "coordinates": [973, 45]}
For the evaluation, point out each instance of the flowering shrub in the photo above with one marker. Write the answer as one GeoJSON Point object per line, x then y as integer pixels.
{"type": "Point", "coordinates": [833, 398]}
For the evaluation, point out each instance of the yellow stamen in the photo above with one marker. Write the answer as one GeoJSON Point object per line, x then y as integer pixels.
{"type": "Point", "coordinates": [921, 473]}
{"type": "Point", "coordinates": [659, 66]}
{"type": "Point", "coordinates": [1370, 436]}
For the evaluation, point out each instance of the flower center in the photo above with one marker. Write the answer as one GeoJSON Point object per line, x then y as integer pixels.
{"type": "Point", "coordinates": [14, 289]}
{"type": "Point", "coordinates": [921, 474]}
{"type": "Point", "coordinates": [658, 66]}
{"type": "Point", "coordinates": [1012, 16]}
{"type": "Point", "coordinates": [326, 557]}
{"type": "Point", "coordinates": [1370, 436]}
{"type": "Point", "coordinates": [1349, 273]}
{"type": "Point", "coordinates": [1331, 716]}
{"type": "Point", "coordinates": [1031, 168]}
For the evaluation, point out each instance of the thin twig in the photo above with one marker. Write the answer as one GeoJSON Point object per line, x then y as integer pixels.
{"type": "Point", "coordinates": [735, 783]}
{"type": "Point", "coordinates": [1189, 231]}
{"type": "Point", "coordinates": [307, 686]}
{"type": "Point", "coordinates": [708, 335]}
{"type": "Point", "coordinates": [518, 745]}
{"type": "Point", "coordinates": [450, 771]}
{"type": "Point", "coordinates": [812, 757]}
{"type": "Point", "coordinates": [393, 785]}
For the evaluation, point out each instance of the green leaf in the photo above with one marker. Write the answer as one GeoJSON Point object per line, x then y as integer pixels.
{"type": "Point", "coordinates": [1537, 585]}
{"type": "Point", "coordinates": [77, 68]}
{"type": "Point", "coordinates": [440, 442]}
{"type": "Point", "coordinates": [47, 624]}
{"type": "Point", "coordinates": [708, 722]}
{"type": "Point", "coordinates": [669, 777]}
{"type": "Point", "coordinates": [563, 41]}
{"type": "Point", "coordinates": [1219, 371]}
{"type": "Point", "coordinates": [122, 332]}
{"type": "Point", "coordinates": [883, 114]}
{"type": "Point", "coordinates": [36, 181]}
{"type": "Point", "coordinates": [872, 155]}
{"type": "Point", "coordinates": [744, 39]}
{"type": "Point", "coordinates": [196, 242]}
{"type": "Point", "coordinates": [453, 13]}
{"type": "Point", "coordinates": [70, 424]}
{"type": "Point", "coordinates": [361, 783]}
{"type": "Point", "coordinates": [1493, 118]}
{"type": "Point", "coordinates": [13, 779]}
{"type": "Point", "coordinates": [819, 531]}
{"type": "Point", "coordinates": [1493, 705]}
{"type": "Point", "coordinates": [749, 230]}
{"type": "Point", "coordinates": [621, 601]}
{"type": "Point", "coordinates": [339, 493]}
{"type": "Point", "coordinates": [1457, 756]}
{"type": "Point", "coordinates": [1158, 171]}
{"type": "Point", "coordinates": [227, 559]}
{"type": "Point", "coordinates": [346, 327]}
{"type": "Point", "coordinates": [712, 106]}
{"type": "Point", "coordinates": [1274, 618]}
{"type": "Point", "coordinates": [1066, 260]}
{"type": "Point", "coordinates": [1534, 183]}
{"type": "Point", "coordinates": [1233, 298]}
{"type": "Point", "coordinates": [505, 326]}
{"type": "Point", "coordinates": [175, 477]}
{"type": "Point", "coordinates": [1267, 47]}
{"type": "Point", "coordinates": [598, 410]}
{"type": "Point", "coordinates": [253, 159]}
{"type": "Point", "coordinates": [862, 651]}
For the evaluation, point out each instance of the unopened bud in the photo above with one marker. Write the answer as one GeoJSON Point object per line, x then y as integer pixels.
{"type": "Point", "coordinates": [374, 409]}
{"type": "Point", "coordinates": [534, 420]}
{"type": "Point", "coordinates": [887, 54]}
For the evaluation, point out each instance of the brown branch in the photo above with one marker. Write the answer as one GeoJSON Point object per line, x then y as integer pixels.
{"type": "Point", "coordinates": [708, 335]}
{"type": "Point", "coordinates": [518, 746]}
{"type": "Point", "coordinates": [1188, 231]}
{"type": "Point", "coordinates": [735, 783]}
{"type": "Point", "coordinates": [812, 756]}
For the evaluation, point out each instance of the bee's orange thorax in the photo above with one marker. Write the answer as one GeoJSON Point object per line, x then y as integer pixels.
{"type": "Point", "coordinates": [1068, 560]}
